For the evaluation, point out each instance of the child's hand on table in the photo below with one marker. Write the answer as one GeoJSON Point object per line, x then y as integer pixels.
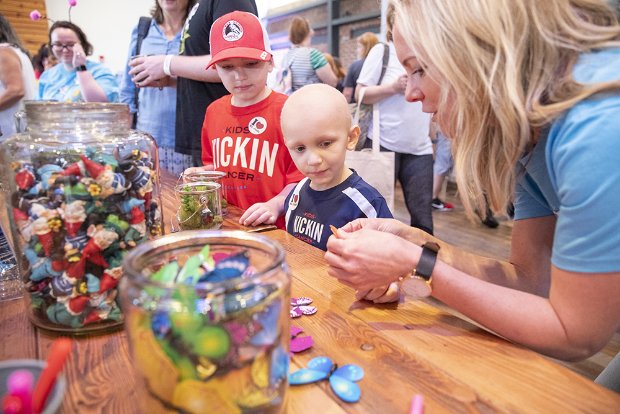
{"type": "Point", "coordinates": [193, 170]}
{"type": "Point", "coordinates": [260, 213]}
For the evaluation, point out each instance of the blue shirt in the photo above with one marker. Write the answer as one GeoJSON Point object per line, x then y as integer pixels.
{"type": "Point", "coordinates": [60, 84]}
{"type": "Point", "coordinates": [157, 115]}
{"type": "Point", "coordinates": [310, 212]}
{"type": "Point", "coordinates": [574, 173]}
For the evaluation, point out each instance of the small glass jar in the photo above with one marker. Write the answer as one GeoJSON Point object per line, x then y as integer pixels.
{"type": "Point", "coordinates": [209, 176]}
{"type": "Point", "coordinates": [217, 344]}
{"type": "Point", "coordinates": [83, 191]}
{"type": "Point", "coordinates": [199, 206]}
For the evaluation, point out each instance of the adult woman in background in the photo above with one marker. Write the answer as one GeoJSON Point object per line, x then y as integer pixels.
{"type": "Point", "coordinates": [365, 42]}
{"type": "Point", "coordinates": [307, 64]}
{"type": "Point", "coordinates": [75, 79]}
{"type": "Point", "coordinates": [157, 105]}
{"type": "Point", "coordinates": [17, 82]}
{"type": "Point", "coordinates": [530, 91]}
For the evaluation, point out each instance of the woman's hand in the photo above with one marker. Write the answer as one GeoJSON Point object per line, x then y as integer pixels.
{"type": "Point", "coordinates": [400, 85]}
{"type": "Point", "coordinates": [79, 57]}
{"type": "Point", "coordinates": [147, 70]}
{"type": "Point", "coordinates": [366, 258]}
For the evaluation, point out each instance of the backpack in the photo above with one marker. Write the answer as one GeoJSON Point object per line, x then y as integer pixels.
{"type": "Point", "coordinates": [362, 113]}
{"type": "Point", "coordinates": [285, 77]}
{"type": "Point", "coordinates": [144, 24]}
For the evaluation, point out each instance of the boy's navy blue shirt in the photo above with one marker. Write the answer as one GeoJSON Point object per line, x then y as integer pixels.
{"type": "Point", "coordinates": [309, 213]}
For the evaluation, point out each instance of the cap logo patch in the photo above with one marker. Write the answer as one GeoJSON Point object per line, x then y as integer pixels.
{"type": "Point", "coordinates": [232, 31]}
{"type": "Point", "coordinates": [264, 55]}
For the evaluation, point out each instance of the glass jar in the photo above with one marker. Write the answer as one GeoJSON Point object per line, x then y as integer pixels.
{"type": "Point", "coordinates": [83, 191]}
{"type": "Point", "coordinates": [199, 206]}
{"type": "Point", "coordinates": [209, 330]}
{"type": "Point", "coordinates": [209, 176]}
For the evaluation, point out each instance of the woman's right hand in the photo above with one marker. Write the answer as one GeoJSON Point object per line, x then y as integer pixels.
{"type": "Point", "coordinates": [366, 258]}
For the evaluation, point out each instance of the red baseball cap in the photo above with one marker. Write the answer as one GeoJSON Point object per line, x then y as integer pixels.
{"type": "Point", "coordinates": [238, 35]}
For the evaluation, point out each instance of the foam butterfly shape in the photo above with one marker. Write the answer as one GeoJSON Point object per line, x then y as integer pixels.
{"type": "Point", "coordinates": [300, 343]}
{"type": "Point", "coordinates": [299, 306]}
{"type": "Point", "coordinates": [342, 380]}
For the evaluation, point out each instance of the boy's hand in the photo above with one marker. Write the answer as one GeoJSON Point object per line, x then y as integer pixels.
{"type": "Point", "coordinates": [260, 213]}
{"type": "Point", "coordinates": [192, 170]}
{"type": "Point", "coordinates": [382, 294]}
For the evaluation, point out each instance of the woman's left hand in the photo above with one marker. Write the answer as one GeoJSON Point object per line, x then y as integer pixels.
{"type": "Point", "coordinates": [79, 57]}
{"type": "Point", "coordinates": [147, 70]}
{"type": "Point", "coordinates": [367, 259]}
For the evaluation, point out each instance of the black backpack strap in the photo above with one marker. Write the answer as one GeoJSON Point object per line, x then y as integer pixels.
{"type": "Point", "coordinates": [386, 59]}
{"type": "Point", "coordinates": [144, 24]}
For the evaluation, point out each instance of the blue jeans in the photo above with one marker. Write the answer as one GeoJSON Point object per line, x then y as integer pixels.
{"type": "Point", "coordinates": [415, 174]}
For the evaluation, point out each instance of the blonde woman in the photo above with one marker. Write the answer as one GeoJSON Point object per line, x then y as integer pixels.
{"type": "Point", "coordinates": [530, 91]}
{"type": "Point", "coordinates": [365, 42]}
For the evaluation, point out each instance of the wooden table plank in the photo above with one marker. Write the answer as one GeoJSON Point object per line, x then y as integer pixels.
{"type": "Point", "coordinates": [438, 351]}
{"type": "Point", "coordinates": [18, 339]}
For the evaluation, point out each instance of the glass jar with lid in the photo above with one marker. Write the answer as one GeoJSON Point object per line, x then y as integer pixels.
{"type": "Point", "coordinates": [83, 191]}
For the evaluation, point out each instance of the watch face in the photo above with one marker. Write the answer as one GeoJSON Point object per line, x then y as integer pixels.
{"type": "Point", "coordinates": [418, 287]}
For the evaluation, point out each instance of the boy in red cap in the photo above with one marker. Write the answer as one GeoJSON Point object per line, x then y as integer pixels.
{"type": "Point", "coordinates": [241, 133]}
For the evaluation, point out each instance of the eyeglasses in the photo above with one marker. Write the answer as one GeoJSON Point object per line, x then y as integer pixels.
{"type": "Point", "coordinates": [59, 46]}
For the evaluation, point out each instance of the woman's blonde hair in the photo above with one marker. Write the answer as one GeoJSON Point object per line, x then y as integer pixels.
{"type": "Point", "coordinates": [505, 71]}
{"type": "Point", "coordinates": [299, 30]}
{"type": "Point", "coordinates": [367, 40]}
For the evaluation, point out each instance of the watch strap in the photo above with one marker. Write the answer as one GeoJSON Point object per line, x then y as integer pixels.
{"type": "Point", "coordinates": [427, 261]}
{"type": "Point", "coordinates": [81, 68]}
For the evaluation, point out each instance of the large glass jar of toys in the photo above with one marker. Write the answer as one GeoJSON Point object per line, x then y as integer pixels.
{"type": "Point", "coordinates": [83, 191]}
{"type": "Point", "coordinates": [207, 315]}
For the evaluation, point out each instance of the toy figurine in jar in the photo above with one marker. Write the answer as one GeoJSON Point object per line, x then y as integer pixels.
{"type": "Point", "coordinates": [83, 192]}
{"type": "Point", "coordinates": [208, 322]}
{"type": "Point", "coordinates": [199, 206]}
{"type": "Point", "coordinates": [209, 176]}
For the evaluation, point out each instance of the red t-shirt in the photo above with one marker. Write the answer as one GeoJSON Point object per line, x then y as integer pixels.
{"type": "Point", "coordinates": [247, 144]}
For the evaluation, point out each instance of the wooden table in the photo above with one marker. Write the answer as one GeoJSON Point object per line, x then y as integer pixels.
{"type": "Point", "coordinates": [413, 347]}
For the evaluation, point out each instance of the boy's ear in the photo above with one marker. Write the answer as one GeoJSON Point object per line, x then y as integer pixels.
{"type": "Point", "coordinates": [354, 134]}
{"type": "Point", "coordinates": [272, 65]}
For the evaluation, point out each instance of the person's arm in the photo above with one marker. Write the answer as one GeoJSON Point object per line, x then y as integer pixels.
{"type": "Point", "coordinates": [348, 93]}
{"type": "Point", "coordinates": [377, 93]}
{"type": "Point", "coordinates": [267, 212]}
{"type": "Point", "coordinates": [11, 77]}
{"type": "Point", "coordinates": [575, 320]}
{"type": "Point", "coordinates": [127, 90]}
{"type": "Point", "coordinates": [147, 70]}
{"type": "Point", "coordinates": [327, 76]}
{"type": "Point", "coordinates": [91, 91]}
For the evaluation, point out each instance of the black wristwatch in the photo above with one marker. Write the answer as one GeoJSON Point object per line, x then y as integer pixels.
{"type": "Point", "coordinates": [421, 276]}
{"type": "Point", "coordinates": [81, 68]}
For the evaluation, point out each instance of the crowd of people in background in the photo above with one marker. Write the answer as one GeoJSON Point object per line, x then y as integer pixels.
{"type": "Point", "coordinates": [64, 72]}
